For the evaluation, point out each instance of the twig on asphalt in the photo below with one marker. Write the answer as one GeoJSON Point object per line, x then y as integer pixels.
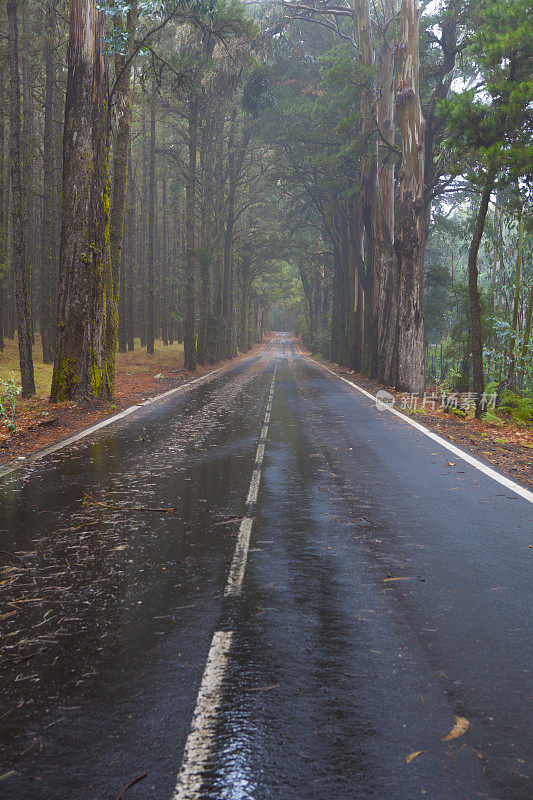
{"type": "Point", "coordinates": [130, 784]}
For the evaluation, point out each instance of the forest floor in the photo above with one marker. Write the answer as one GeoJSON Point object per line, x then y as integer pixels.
{"type": "Point", "coordinates": [508, 447]}
{"type": "Point", "coordinates": [139, 376]}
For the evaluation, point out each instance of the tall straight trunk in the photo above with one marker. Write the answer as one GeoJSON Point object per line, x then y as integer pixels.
{"type": "Point", "coordinates": [17, 210]}
{"type": "Point", "coordinates": [383, 211]}
{"type": "Point", "coordinates": [517, 292]}
{"type": "Point", "coordinates": [227, 287]}
{"type": "Point", "coordinates": [527, 330]}
{"type": "Point", "coordinates": [367, 204]}
{"type": "Point", "coordinates": [189, 328]}
{"type": "Point", "coordinates": [80, 367]}
{"type": "Point", "coordinates": [206, 243]}
{"type": "Point", "coordinates": [410, 240]}
{"type": "Point", "coordinates": [124, 270]}
{"type": "Point", "coordinates": [58, 111]}
{"type": "Point", "coordinates": [122, 108]}
{"type": "Point", "coordinates": [3, 215]}
{"type": "Point", "coordinates": [142, 230]}
{"type": "Point", "coordinates": [28, 127]}
{"type": "Point", "coordinates": [473, 291]}
{"type": "Point", "coordinates": [216, 326]}
{"type": "Point", "coordinates": [245, 299]}
{"type": "Point", "coordinates": [150, 261]}
{"type": "Point", "coordinates": [163, 261]}
{"type": "Point", "coordinates": [47, 230]}
{"type": "Point", "coordinates": [130, 222]}
{"type": "Point", "coordinates": [235, 163]}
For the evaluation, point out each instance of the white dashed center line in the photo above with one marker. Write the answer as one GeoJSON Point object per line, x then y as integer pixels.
{"type": "Point", "coordinates": [200, 740]}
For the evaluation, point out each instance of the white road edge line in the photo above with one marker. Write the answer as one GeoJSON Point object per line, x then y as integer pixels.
{"type": "Point", "coordinates": [200, 740]}
{"type": "Point", "coordinates": [201, 736]}
{"type": "Point", "coordinates": [470, 459]}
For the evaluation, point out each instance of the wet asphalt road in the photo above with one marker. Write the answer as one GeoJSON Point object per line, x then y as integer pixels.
{"type": "Point", "coordinates": [335, 673]}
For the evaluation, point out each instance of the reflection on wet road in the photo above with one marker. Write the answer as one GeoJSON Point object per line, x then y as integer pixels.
{"type": "Point", "coordinates": [270, 523]}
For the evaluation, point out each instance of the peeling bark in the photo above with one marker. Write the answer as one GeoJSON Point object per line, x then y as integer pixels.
{"type": "Point", "coordinates": [410, 239]}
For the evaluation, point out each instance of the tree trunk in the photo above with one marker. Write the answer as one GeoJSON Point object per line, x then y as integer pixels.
{"type": "Point", "coordinates": [383, 213]}
{"type": "Point", "coordinates": [122, 108]}
{"type": "Point", "coordinates": [518, 286]}
{"type": "Point", "coordinates": [151, 231]}
{"type": "Point", "coordinates": [47, 231]}
{"type": "Point", "coordinates": [27, 146]}
{"type": "Point", "coordinates": [409, 242]}
{"type": "Point", "coordinates": [189, 331]}
{"type": "Point", "coordinates": [473, 291]}
{"type": "Point", "coordinates": [80, 368]}
{"type": "Point", "coordinates": [131, 262]}
{"type": "Point", "coordinates": [19, 251]}
{"type": "Point", "coordinates": [246, 258]}
{"type": "Point", "coordinates": [3, 216]}
{"type": "Point", "coordinates": [164, 268]}
{"type": "Point", "coordinates": [527, 331]}
{"type": "Point", "coordinates": [142, 231]}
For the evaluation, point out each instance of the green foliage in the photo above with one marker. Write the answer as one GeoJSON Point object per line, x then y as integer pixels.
{"type": "Point", "coordinates": [490, 418]}
{"type": "Point", "coordinates": [519, 409]}
{"type": "Point", "coordinates": [9, 391]}
{"type": "Point", "coordinates": [257, 92]}
{"type": "Point", "coordinates": [322, 343]}
{"type": "Point", "coordinates": [491, 122]}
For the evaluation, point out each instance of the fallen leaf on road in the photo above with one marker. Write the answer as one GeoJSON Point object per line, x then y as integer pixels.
{"type": "Point", "coordinates": [412, 756]}
{"type": "Point", "coordinates": [460, 726]}
{"type": "Point", "coordinates": [451, 463]}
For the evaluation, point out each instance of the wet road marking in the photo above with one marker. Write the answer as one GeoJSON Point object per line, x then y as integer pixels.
{"type": "Point", "coordinates": [203, 727]}
{"type": "Point", "coordinates": [200, 740]}
{"type": "Point", "coordinates": [240, 557]}
{"type": "Point", "coordinates": [254, 487]}
{"type": "Point", "coordinates": [470, 459]}
{"type": "Point", "coordinates": [260, 454]}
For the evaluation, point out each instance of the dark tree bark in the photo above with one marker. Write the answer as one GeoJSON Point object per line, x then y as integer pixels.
{"type": "Point", "coordinates": [3, 216]}
{"type": "Point", "coordinates": [17, 209]}
{"type": "Point", "coordinates": [235, 164]}
{"type": "Point", "coordinates": [189, 328]}
{"type": "Point", "coordinates": [163, 261]}
{"type": "Point", "coordinates": [80, 367]}
{"type": "Point", "coordinates": [47, 231]}
{"type": "Point", "coordinates": [27, 144]}
{"type": "Point", "coordinates": [473, 291]}
{"type": "Point", "coordinates": [130, 221]}
{"type": "Point", "coordinates": [142, 230]}
{"type": "Point", "coordinates": [122, 107]}
{"type": "Point", "coordinates": [125, 315]}
{"type": "Point", "coordinates": [246, 283]}
{"type": "Point", "coordinates": [151, 230]}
